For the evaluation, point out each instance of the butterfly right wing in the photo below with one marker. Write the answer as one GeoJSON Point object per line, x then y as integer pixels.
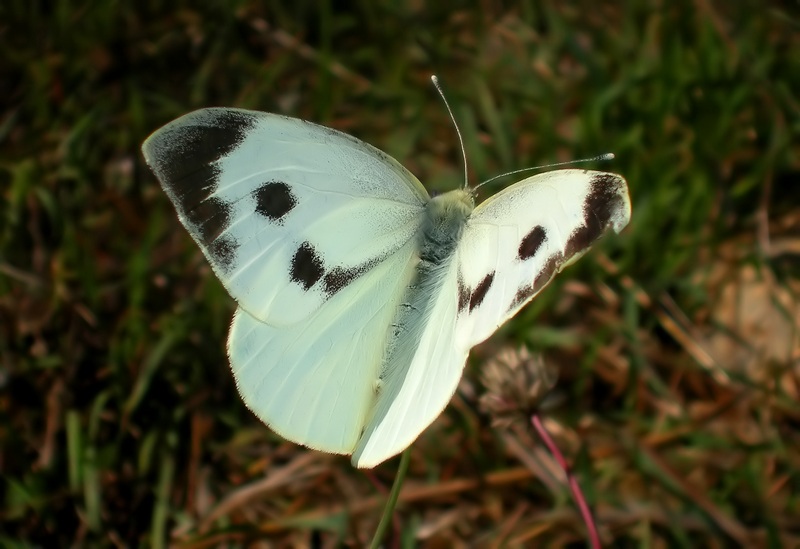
{"type": "Point", "coordinates": [287, 212]}
{"type": "Point", "coordinates": [314, 382]}
{"type": "Point", "coordinates": [511, 247]}
{"type": "Point", "coordinates": [516, 241]}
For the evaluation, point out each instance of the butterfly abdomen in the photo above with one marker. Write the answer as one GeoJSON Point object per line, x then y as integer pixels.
{"type": "Point", "coordinates": [444, 222]}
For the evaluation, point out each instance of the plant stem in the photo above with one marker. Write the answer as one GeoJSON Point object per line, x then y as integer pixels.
{"type": "Point", "coordinates": [577, 494]}
{"type": "Point", "coordinates": [388, 509]}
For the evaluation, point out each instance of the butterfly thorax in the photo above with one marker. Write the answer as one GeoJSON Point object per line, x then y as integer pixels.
{"type": "Point", "coordinates": [442, 228]}
{"type": "Point", "coordinates": [445, 217]}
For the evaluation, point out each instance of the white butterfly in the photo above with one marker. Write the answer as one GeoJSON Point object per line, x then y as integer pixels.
{"type": "Point", "coordinates": [359, 295]}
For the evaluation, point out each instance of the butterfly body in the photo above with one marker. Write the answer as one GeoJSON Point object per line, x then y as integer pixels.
{"type": "Point", "coordinates": [359, 295]}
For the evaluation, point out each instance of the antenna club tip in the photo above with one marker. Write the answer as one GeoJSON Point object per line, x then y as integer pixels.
{"type": "Point", "coordinates": [434, 79]}
{"type": "Point", "coordinates": [609, 156]}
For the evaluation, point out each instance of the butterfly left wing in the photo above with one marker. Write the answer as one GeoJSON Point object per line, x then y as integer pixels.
{"type": "Point", "coordinates": [313, 232]}
{"type": "Point", "coordinates": [511, 247]}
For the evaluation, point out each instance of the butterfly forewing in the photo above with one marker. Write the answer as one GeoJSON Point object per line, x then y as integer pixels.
{"type": "Point", "coordinates": [517, 240]}
{"type": "Point", "coordinates": [287, 212]}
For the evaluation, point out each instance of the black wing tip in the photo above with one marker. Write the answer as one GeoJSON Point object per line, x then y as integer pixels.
{"type": "Point", "coordinates": [214, 128]}
{"type": "Point", "coordinates": [183, 153]}
{"type": "Point", "coordinates": [609, 200]}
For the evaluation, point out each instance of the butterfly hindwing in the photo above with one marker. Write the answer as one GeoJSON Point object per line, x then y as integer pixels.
{"type": "Point", "coordinates": [420, 373]}
{"type": "Point", "coordinates": [280, 206]}
{"type": "Point", "coordinates": [314, 382]}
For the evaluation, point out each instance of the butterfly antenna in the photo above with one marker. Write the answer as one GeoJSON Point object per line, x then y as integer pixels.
{"type": "Point", "coordinates": [600, 157]}
{"type": "Point", "coordinates": [453, 118]}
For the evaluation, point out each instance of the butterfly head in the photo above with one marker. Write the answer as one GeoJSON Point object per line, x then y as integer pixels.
{"type": "Point", "coordinates": [454, 205]}
{"type": "Point", "coordinates": [445, 218]}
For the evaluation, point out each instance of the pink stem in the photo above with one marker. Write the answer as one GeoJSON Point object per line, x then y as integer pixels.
{"type": "Point", "coordinates": [586, 513]}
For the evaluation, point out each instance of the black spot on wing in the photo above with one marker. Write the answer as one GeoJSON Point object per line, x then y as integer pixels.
{"type": "Point", "coordinates": [274, 200]}
{"type": "Point", "coordinates": [208, 218]}
{"type": "Point", "coordinates": [307, 267]}
{"type": "Point", "coordinates": [223, 250]}
{"type": "Point", "coordinates": [184, 155]}
{"type": "Point", "coordinates": [523, 294]}
{"type": "Point", "coordinates": [477, 295]}
{"type": "Point", "coordinates": [545, 275]}
{"type": "Point", "coordinates": [580, 239]}
{"type": "Point", "coordinates": [604, 198]}
{"type": "Point", "coordinates": [548, 271]}
{"type": "Point", "coordinates": [336, 279]}
{"type": "Point", "coordinates": [600, 204]}
{"type": "Point", "coordinates": [531, 243]}
{"type": "Point", "coordinates": [207, 221]}
{"type": "Point", "coordinates": [463, 295]}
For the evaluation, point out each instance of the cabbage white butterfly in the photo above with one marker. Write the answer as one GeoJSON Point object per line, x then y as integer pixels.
{"type": "Point", "coordinates": [359, 296]}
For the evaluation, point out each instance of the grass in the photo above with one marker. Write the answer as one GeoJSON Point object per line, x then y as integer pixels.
{"type": "Point", "coordinates": [676, 343]}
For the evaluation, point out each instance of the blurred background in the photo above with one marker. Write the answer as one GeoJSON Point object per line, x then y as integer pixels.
{"type": "Point", "coordinates": [676, 343]}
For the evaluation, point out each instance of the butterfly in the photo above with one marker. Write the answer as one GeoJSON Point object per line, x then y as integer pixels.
{"type": "Point", "coordinates": [359, 296]}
